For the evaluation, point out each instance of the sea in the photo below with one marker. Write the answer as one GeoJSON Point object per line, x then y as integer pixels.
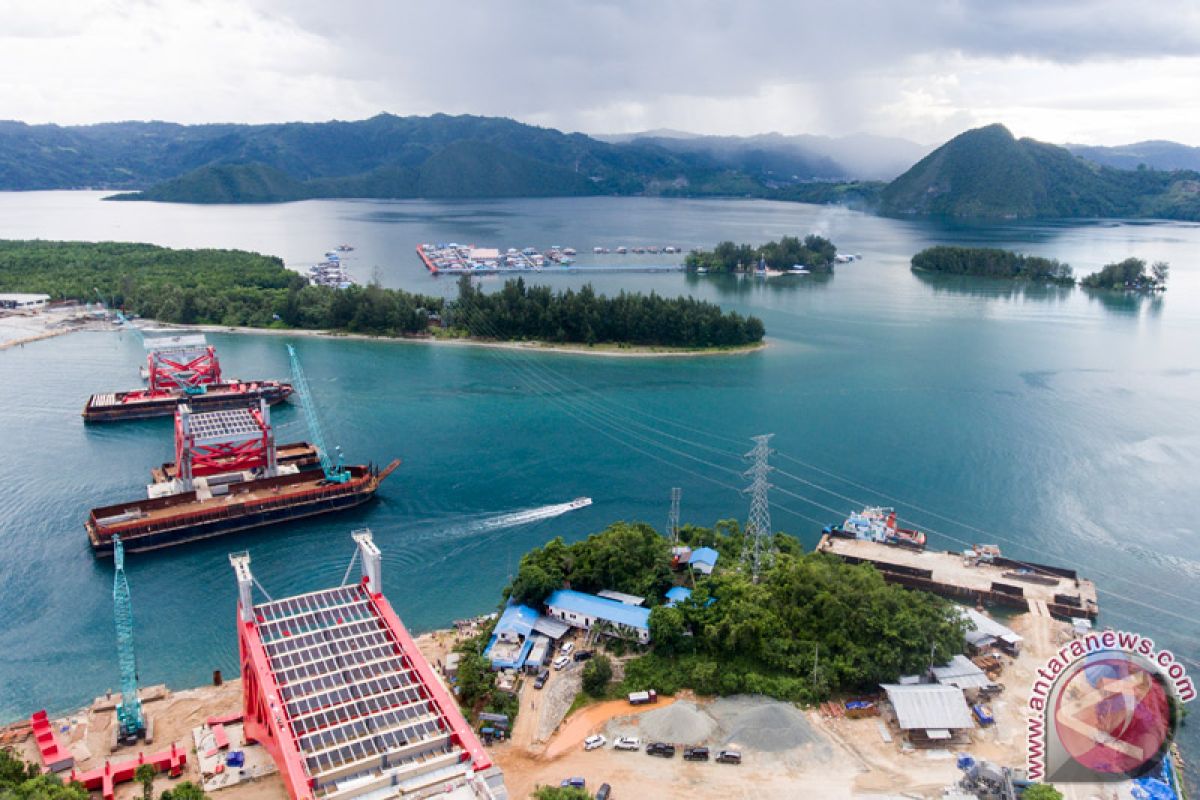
{"type": "Point", "coordinates": [1062, 425]}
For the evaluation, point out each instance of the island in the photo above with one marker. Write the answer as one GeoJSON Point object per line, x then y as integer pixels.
{"type": "Point", "coordinates": [239, 289]}
{"type": "Point", "coordinates": [813, 254]}
{"type": "Point", "coordinates": [992, 262]}
{"type": "Point", "coordinates": [1130, 275]}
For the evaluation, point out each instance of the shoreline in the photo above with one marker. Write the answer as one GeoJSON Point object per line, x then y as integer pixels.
{"type": "Point", "coordinates": [603, 350]}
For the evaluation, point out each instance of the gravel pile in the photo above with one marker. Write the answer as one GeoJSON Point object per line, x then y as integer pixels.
{"type": "Point", "coordinates": [765, 725]}
{"type": "Point", "coordinates": [681, 722]}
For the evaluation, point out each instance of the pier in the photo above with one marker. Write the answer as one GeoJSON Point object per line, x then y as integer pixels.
{"type": "Point", "coordinates": [1020, 585]}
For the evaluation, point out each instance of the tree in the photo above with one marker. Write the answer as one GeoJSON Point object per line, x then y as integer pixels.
{"type": "Point", "coordinates": [596, 675]}
{"type": "Point", "coordinates": [561, 793]}
{"type": "Point", "coordinates": [667, 630]}
{"type": "Point", "coordinates": [1160, 270]}
{"type": "Point", "coordinates": [185, 790]}
{"type": "Point", "coordinates": [144, 775]}
{"type": "Point", "coordinates": [1041, 791]}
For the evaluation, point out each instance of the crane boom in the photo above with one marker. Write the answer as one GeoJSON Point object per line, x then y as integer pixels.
{"type": "Point", "coordinates": [130, 719]}
{"type": "Point", "coordinates": [333, 471]}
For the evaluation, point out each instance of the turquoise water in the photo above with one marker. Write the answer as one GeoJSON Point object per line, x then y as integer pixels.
{"type": "Point", "coordinates": [1059, 424]}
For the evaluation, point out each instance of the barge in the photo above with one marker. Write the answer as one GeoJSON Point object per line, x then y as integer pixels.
{"type": "Point", "coordinates": [182, 368]}
{"type": "Point", "coordinates": [978, 576]}
{"type": "Point", "coordinates": [300, 455]}
{"type": "Point", "coordinates": [216, 509]}
{"type": "Point", "coordinates": [148, 403]}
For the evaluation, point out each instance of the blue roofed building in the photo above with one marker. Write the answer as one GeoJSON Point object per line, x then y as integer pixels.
{"type": "Point", "coordinates": [704, 560]}
{"type": "Point", "coordinates": [587, 611]}
{"type": "Point", "coordinates": [512, 637]}
{"type": "Point", "coordinates": [677, 594]}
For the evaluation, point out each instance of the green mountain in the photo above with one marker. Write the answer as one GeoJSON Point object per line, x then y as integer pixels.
{"type": "Point", "coordinates": [1155, 154]}
{"type": "Point", "coordinates": [988, 174]}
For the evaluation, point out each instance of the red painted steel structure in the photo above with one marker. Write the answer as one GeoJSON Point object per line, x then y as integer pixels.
{"type": "Point", "coordinates": [182, 369]}
{"type": "Point", "coordinates": [104, 779]}
{"type": "Point", "coordinates": [265, 717]}
{"type": "Point", "coordinates": [55, 757]}
{"type": "Point", "coordinates": [199, 458]}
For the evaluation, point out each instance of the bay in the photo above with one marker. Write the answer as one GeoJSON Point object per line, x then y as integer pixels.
{"type": "Point", "coordinates": [1058, 423]}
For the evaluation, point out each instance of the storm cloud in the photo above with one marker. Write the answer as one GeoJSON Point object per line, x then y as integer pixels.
{"type": "Point", "coordinates": [1062, 70]}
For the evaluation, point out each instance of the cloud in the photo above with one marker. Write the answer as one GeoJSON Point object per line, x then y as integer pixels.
{"type": "Point", "coordinates": [1053, 69]}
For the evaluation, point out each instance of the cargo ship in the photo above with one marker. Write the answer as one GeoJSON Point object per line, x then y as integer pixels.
{"type": "Point", "coordinates": [228, 476]}
{"type": "Point", "coordinates": [186, 370]}
{"type": "Point", "coordinates": [877, 524]}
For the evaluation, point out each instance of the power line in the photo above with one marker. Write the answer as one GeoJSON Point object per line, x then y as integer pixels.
{"type": "Point", "coordinates": [757, 549]}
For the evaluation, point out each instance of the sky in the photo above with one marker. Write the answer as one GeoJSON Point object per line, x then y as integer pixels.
{"type": "Point", "coordinates": [1086, 71]}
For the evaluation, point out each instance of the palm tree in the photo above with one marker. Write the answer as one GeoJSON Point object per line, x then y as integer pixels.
{"type": "Point", "coordinates": [144, 775]}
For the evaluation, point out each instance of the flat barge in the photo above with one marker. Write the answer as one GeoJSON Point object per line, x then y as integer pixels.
{"type": "Point", "coordinates": [146, 404]}
{"type": "Point", "coordinates": [219, 509]}
{"type": "Point", "coordinates": [1042, 589]}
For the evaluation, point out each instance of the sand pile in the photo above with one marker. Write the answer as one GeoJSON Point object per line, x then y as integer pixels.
{"type": "Point", "coordinates": [682, 722]}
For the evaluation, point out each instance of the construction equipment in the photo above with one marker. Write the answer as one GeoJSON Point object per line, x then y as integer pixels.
{"type": "Point", "coordinates": [131, 722]}
{"type": "Point", "coordinates": [334, 471]}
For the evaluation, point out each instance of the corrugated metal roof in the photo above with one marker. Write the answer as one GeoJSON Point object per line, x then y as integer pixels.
{"type": "Point", "coordinates": [982, 626]}
{"type": "Point", "coordinates": [929, 706]}
{"type": "Point", "coordinates": [677, 594]}
{"type": "Point", "coordinates": [516, 619]}
{"type": "Point", "coordinates": [705, 555]}
{"type": "Point", "coordinates": [599, 607]}
{"type": "Point", "coordinates": [621, 597]}
{"type": "Point", "coordinates": [554, 628]}
{"type": "Point", "coordinates": [961, 672]}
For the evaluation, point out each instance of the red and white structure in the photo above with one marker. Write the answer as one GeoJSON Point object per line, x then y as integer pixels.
{"type": "Point", "coordinates": [334, 687]}
{"type": "Point", "coordinates": [225, 441]}
{"type": "Point", "coordinates": [182, 363]}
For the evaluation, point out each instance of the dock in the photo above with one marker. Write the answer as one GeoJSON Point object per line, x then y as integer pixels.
{"type": "Point", "coordinates": [1020, 585]}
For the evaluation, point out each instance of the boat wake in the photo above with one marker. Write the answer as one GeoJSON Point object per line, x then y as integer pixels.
{"type": "Point", "coordinates": [515, 518]}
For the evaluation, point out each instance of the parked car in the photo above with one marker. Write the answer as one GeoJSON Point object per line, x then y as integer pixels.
{"type": "Point", "coordinates": [576, 782]}
{"type": "Point", "coordinates": [695, 754]}
{"type": "Point", "coordinates": [594, 741]}
{"type": "Point", "coordinates": [604, 792]}
{"type": "Point", "coordinates": [583, 655]}
{"type": "Point", "coordinates": [628, 743]}
{"type": "Point", "coordinates": [541, 679]}
{"type": "Point", "coordinates": [561, 662]}
{"type": "Point", "coordinates": [729, 757]}
{"type": "Point", "coordinates": [660, 749]}
{"type": "Point", "coordinates": [567, 648]}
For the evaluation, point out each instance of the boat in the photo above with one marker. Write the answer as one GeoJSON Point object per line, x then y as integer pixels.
{"type": "Point", "coordinates": [622, 250]}
{"type": "Point", "coordinates": [580, 502]}
{"type": "Point", "coordinates": [215, 509]}
{"type": "Point", "coordinates": [877, 524]}
{"type": "Point", "coordinates": [799, 269]}
{"type": "Point", "coordinates": [569, 251]}
{"type": "Point", "coordinates": [145, 403]}
{"type": "Point", "coordinates": [344, 248]}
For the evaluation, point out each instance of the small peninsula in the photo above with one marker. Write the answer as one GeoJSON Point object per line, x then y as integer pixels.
{"type": "Point", "coordinates": [240, 289]}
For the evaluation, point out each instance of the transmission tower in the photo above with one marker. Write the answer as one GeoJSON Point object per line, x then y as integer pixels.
{"type": "Point", "coordinates": [131, 721]}
{"type": "Point", "coordinates": [757, 551]}
{"type": "Point", "coordinates": [673, 517]}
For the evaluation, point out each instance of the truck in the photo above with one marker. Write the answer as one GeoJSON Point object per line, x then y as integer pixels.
{"type": "Point", "coordinates": [642, 698]}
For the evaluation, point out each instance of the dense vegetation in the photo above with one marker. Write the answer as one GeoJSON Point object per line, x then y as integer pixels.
{"type": "Point", "coordinates": [759, 638]}
{"type": "Point", "coordinates": [477, 691]}
{"type": "Point", "coordinates": [992, 262]}
{"type": "Point", "coordinates": [1130, 274]}
{"type": "Point", "coordinates": [987, 173]}
{"type": "Point", "coordinates": [519, 311]}
{"type": "Point", "coordinates": [560, 793]}
{"type": "Point", "coordinates": [816, 253]}
{"type": "Point", "coordinates": [233, 287]}
{"type": "Point", "coordinates": [225, 287]}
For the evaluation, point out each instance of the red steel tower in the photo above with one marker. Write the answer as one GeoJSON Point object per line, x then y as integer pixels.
{"type": "Point", "coordinates": [218, 442]}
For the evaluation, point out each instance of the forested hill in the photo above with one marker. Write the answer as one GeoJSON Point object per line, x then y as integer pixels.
{"type": "Point", "coordinates": [987, 173]}
{"type": "Point", "coordinates": [384, 156]}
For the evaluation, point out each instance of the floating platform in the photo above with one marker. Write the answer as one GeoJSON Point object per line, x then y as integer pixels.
{"type": "Point", "coordinates": [210, 511]}
{"type": "Point", "coordinates": [143, 404]}
{"type": "Point", "coordinates": [1059, 591]}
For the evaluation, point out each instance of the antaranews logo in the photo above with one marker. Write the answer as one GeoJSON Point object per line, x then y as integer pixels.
{"type": "Point", "coordinates": [1104, 708]}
